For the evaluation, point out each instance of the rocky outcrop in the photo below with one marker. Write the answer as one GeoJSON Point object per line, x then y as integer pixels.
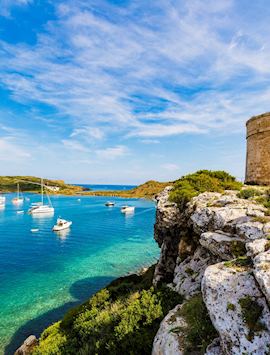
{"type": "Point", "coordinates": [168, 341]}
{"type": "Point", "coordinates": [188, 274]}
{"type": "Point", "coordinates": [228, 293]}
{"type": "Point", "coordinates": [194, 242]}
{"type": "Point", "coordinates": [171, 236]}
{"type": "Point", "coordinates": [27, 346]}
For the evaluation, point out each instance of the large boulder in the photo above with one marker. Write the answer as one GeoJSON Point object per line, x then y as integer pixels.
{"type": "Point", "coordinates": [223, 245]}
{"type": "Point", "coordinates": [237, 309]}
{"type": "Point", "coordinates": [168, 338]}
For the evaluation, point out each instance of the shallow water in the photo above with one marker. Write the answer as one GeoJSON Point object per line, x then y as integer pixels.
{"type": "Point", "coordinates": [42, 274]}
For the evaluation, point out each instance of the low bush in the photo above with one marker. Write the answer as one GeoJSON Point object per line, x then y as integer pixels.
{"type": "Point", "coordinates": [192, 185]}
{"type": "Point", "coordinates": [252, 312]}
{"type": "Point", "coordinates": [249, 193]}
{"type": "Point", "coordinates": [122, 318]}
{"type": "Point", "coordinates": [199, 332]}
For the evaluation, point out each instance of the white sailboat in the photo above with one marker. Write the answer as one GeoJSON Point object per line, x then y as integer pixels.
{"type": "Point", "coordinates": [19, 199]}
{"type": "Point", "coordinates": [40, 207]}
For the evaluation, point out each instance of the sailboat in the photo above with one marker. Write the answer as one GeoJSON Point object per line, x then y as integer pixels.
{"type": "Point", "coordinates": [19, 199]}
{"type": "Point", "coordinates": [40, 207]}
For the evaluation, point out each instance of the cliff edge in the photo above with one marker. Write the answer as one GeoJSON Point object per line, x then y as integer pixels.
{"type": "Point", "coordinates": [215, 253]}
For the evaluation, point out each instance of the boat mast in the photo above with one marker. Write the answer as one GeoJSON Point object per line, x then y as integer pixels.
{"type": "Point", "coordinates": [42, 191]}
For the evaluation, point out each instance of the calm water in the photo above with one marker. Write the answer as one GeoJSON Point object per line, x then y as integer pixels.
{"type": "Point", "coordinates": [108, 187]}
{"type": "Point", "coordinates": [43, 274]}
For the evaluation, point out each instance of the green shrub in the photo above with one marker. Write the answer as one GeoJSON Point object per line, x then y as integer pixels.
{"type": "Point", "coordinates": [122, 318]}
{"type": "Point", "coordinates": [252, 312]}
{"type": "Point", "coordinates": [199, 332]}
{"type": "Point", "coordinates": [192, 185]}
{"type": "Point", "coordinates": [248, 193]}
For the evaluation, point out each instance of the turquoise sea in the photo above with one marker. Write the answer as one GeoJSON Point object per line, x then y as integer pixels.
{"type": "Point", "coordinates": [43, 274]}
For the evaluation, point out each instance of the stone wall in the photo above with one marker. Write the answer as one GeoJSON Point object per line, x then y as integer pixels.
{"type": "Point", "coordinates": [258, 150]}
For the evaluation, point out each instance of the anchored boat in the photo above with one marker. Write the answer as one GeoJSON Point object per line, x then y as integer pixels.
{"type": "Point", "coordinates": [127, 209]}
{"type": "Point", "coordinates": [40, 207]}
{"type": "Point", "coordinates": [109, 204]}
{"type": "Point", "coordinates": [61, 224]}
{"type": "Point", "coordinates": [19, 199]}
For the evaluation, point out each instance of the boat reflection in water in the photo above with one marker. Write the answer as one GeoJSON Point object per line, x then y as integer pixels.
{"type": "Point", "coordinates": [63, 234]}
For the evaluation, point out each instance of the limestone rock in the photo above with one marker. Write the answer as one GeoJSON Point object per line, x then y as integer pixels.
{"type": "Point", "coordinates": [188, 273]}
{"type": "Point", "coordinates": [250, 230]}
{"type": "Point", "coordinates": [256, 247]}
{"type": "Point", "coordinates": [262, 272]}
{"type": "Point", "coordinates": [223, 290]}
{"type": "Point", "coordinates": [27, 347]}
{"type": "Point", "coordinates": [169, 229]}
{"type": "Point", "coordinates": [214, 348]}
{"type": "Point", "coordinates": [221, 244]}
{"type": "Point", "coordinates": [168, 338]}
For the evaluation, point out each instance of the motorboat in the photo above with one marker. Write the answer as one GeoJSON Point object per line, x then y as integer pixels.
{"type": "Point", "coordinates": [61, 224]}
{"type": "Point", "coordinates": [109, 204]}
{"type": "Point", "coordinates": [33, 230]}
{"type": "Point", "coordinates": [19, 198]}
{"type": "Point", "coordinates": [40, 207]}
{"type": "Point", "coordinates": [20, 212]}
{"type": "Point", "coordinates": [127, 209]}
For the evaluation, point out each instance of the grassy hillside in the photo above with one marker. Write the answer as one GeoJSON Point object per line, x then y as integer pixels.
{"type": "Point", "coordinates": [9, 184]}
{"type": "Point", "coordinates": [147, 190]}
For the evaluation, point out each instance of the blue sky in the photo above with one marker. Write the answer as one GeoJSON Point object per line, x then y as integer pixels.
{"type": "Point", "coordinates": [122, 91]}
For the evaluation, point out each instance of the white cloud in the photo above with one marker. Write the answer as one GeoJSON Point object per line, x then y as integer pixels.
{"type": "Point", "coordinates": [112, 152]}
{"type": "Point", "coordinates": [7, 5]}
{"type": "Point", "coordinates": [170, 167]}
{"type": "Point", "coordinates": [10, 151]}
{"type": "Point", "coordinates": [110, 62]}
{"type": "Point", "coordinates": [74, 145]}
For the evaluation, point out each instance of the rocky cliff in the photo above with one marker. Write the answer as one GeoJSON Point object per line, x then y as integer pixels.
{"type": "Point", "coordinates": [217, 247]}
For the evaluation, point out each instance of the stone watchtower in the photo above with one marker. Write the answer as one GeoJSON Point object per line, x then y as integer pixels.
{"type": "Point", "coordinates": [258, 150]}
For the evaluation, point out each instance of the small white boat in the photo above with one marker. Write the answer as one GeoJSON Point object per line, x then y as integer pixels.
{"type": "Point", "coordinates": [127, 209]}
{"type": "Point", "coordinates": [19, 199]}
{"type": "Point", "coordinates": [109, 204]}
{"type": "Point", "coordinates": [61, 224]}
{"type": "Point", "coordinates": [20, 212]}
{"type": "Point", "coordinates": [33, 230]}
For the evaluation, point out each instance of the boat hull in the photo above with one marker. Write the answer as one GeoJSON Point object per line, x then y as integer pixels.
{"type": "Point", "coordinates": [57, 228]}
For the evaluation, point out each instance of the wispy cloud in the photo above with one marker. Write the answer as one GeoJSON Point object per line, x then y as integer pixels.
{"type": "Point", "coordinates": [112, 152]}
{"type": "Point", "coordinates": [7, 5]}
{"type": "Point", "coordinates": [98, 74]}
{"type": "Point", "coordinates": [100, 70]}
{"type": "Point", "coordinates": [11, 151]}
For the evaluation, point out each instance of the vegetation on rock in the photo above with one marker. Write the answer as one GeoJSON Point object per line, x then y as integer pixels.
{"type": "Point", "coordinates": [252, 312]}
{"type": "Point", "coordinates": [199, 332]}
{"type": "Point", "coordinates": [192, 185]}
{"type": "Point", "coordinates": [122, 318]}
